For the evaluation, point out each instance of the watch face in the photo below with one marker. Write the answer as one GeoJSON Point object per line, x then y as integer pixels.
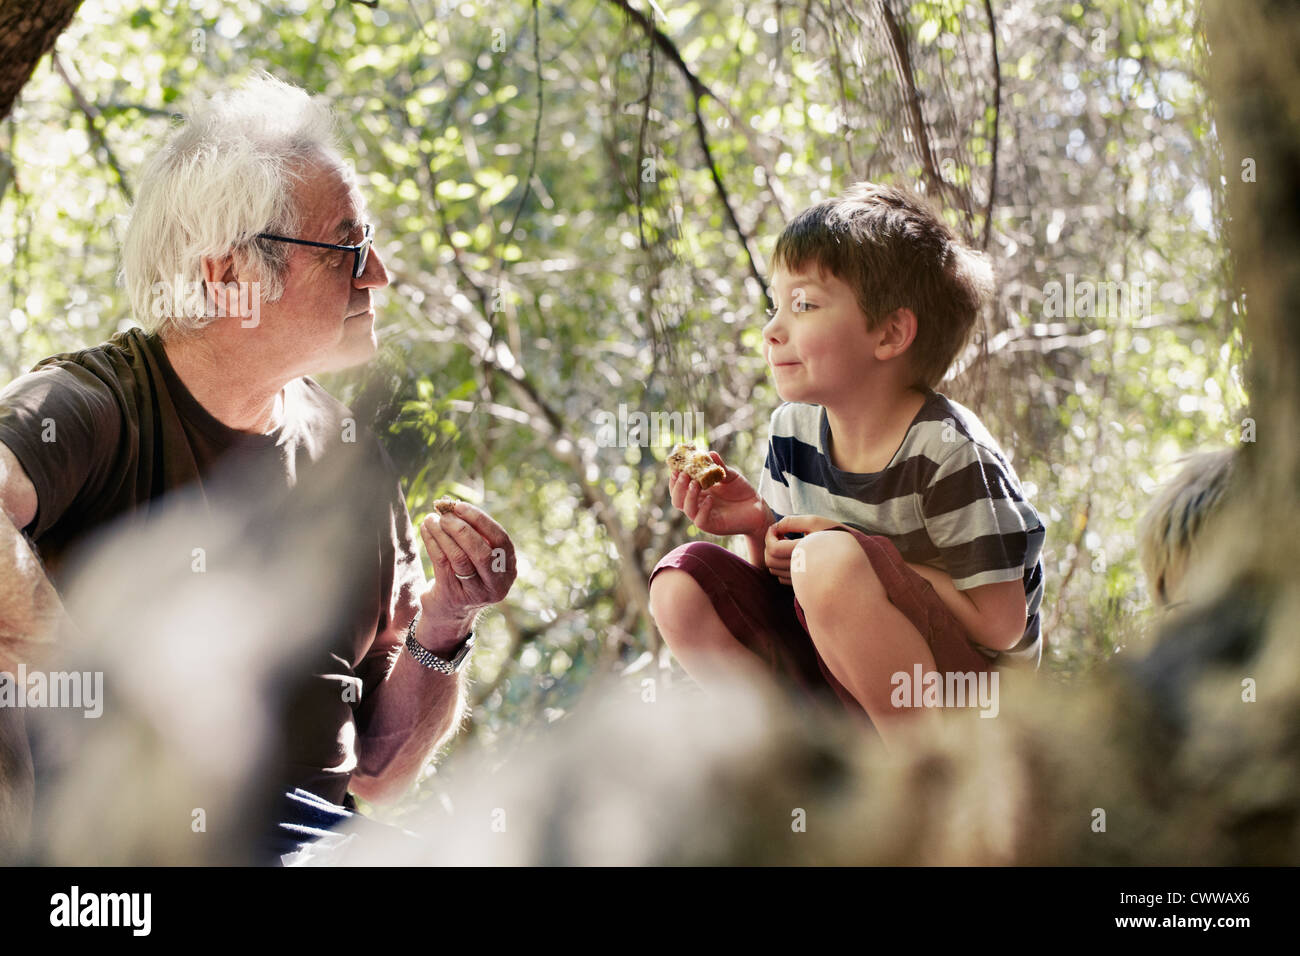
{"type": "Point", "coordinates": [463, 653]}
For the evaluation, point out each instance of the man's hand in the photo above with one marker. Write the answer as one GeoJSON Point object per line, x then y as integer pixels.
{"type": "Point", "coordinates": [777, 550]}
{"type": "Point", "coordinates": [474, 566]}
{"type": "Point", "coordinates": [415, 709]}
{"type": "Point", "coordinates": [732, 506]}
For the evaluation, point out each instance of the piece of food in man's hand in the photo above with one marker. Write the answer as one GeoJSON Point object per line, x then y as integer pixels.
{"type": "Point", "coordinates": [444, 505]}
{"type": "Point", "coordinates": [697, 464]}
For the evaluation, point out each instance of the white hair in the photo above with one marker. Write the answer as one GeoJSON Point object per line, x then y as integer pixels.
{"type": "Point", "coordinates": [224, 176]}
{"type": "Point", "coordinates": [1170, 533]}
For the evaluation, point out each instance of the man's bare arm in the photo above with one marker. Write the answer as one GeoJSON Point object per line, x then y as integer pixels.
{"type": "Point", "coordinates": [17, 493]}
{"type": "Point", "coordinates": [409, 715]}
{"type": "Point", "coordinates": [415, 709]}
{"type": "Point", "coordinates": [30, 608]}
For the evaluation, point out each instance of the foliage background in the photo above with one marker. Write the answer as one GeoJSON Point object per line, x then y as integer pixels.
{"type": "Point", "coordinates": [543, 273]}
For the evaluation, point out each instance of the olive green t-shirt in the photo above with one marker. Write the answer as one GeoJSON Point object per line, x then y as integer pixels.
{"type": "Point", "coordinates": [105, 433]}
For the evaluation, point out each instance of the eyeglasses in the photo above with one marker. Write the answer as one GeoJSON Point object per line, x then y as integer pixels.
{"type": "Point", "coordinates": [359, 251]}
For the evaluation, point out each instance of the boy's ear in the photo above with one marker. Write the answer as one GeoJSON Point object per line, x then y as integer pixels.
{"type": "Point", "coordinates": [897, 332]}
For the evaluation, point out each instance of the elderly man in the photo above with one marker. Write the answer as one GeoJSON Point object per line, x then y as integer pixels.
{"type": "Point", "coordinates": [249, 263]}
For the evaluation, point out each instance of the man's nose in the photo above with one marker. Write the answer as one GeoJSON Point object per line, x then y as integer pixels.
{"type": "Point", "coordinates": [374, 275]}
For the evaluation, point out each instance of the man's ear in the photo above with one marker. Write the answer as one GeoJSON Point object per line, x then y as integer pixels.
{"type": "Point", "coordinates": [218, 270]}
{"type": "Point", "coordinates": [221, 286]}
{"type": "Point", "coordinates": [897, 332]}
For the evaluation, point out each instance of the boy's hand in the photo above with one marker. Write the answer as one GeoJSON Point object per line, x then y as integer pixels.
{"type": "Point", "coordinates": [777, 550]}
{"type": "Point", "coordinates": [732, 506]}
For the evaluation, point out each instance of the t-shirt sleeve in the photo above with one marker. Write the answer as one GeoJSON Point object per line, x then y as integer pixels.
{"type": "Point", "coordinates": [64, 425]}
{"type": "Point", "coordinates": [978, 519]}
{"type": "Point", "coordinates": [772, 485]}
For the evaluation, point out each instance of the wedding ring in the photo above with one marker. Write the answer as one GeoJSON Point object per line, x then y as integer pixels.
{"type": "Point", "coordinates": [465, 577]}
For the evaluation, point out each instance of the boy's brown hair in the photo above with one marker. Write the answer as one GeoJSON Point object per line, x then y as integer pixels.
{"type": "Point", "coordinates": [895, 252]}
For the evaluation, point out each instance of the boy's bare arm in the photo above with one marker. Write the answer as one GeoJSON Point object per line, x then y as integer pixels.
{"type": "Point", "coordinates": [993, 614]}
{"type": "Point", "coordinates": [757, 540]}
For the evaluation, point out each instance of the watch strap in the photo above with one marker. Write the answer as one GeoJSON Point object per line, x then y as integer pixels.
{"type": "Point", "coordinates": [427, 658]}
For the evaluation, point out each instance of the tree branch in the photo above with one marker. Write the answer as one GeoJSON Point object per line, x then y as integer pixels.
{"type": "Point", "coordinates": [92, 121]}
{"type": "Point", "coordinates": [993, 136]}
{"type": "Point", "coordinates": [698, 87]}
{"type": "Point", "coordinates": [911, 98]}
{"type": "Point", "coordinates": [640, 143]}
{"type": "Point", "coordinates": [537, 124]}
{"type": "Point", "coordinates": [565, 448]}
{"type": "Point", "coordinates": [698, 90]}
{"type": "Point", "coordinates": [27, 32]}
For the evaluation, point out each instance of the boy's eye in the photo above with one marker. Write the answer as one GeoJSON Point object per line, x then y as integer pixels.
{"type": "Point", "coordinates": [803, 306]}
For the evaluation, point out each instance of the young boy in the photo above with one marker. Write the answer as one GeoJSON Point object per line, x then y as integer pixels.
{"type": "Point", "coordinates": [888, 530]}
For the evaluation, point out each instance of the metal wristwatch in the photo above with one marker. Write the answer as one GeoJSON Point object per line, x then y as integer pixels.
{"type": "Point", "coordinates": [431, 660]}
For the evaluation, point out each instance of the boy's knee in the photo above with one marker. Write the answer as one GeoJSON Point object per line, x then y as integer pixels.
{"type": "Point", "coordinates": [676, 599]}
{"type": "Point", "coordinates": [826, 566]}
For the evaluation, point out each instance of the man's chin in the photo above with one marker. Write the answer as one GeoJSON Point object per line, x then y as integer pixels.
{"type": "Point", "coordinates": [354, 347]}
{"type": "Point", "coordinates": [360, 348]}
{"type": "Point", "coordinates": [354, 325]}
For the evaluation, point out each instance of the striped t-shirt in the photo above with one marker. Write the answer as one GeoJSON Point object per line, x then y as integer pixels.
{"type": "Point", "coordinates": [948, 499]}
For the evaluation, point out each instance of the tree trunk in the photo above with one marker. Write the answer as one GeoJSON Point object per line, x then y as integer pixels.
{"type": "Point", "coordinates": [27, 32]}
{"type": "Point", "coordinates": [1254, 81]}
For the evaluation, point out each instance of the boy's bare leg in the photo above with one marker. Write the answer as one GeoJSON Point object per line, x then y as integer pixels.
{"type": "Point", "coordinates": [702, 644]}
{"type": "Point", "coordinates": [863, 638]}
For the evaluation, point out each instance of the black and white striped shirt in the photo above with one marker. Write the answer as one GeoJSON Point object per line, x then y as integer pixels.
{"type": "Point", "coordinates": [948, 499]}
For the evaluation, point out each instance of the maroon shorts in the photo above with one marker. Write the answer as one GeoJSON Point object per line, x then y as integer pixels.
{"type": "Point", "coordinates": [764, 616]}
